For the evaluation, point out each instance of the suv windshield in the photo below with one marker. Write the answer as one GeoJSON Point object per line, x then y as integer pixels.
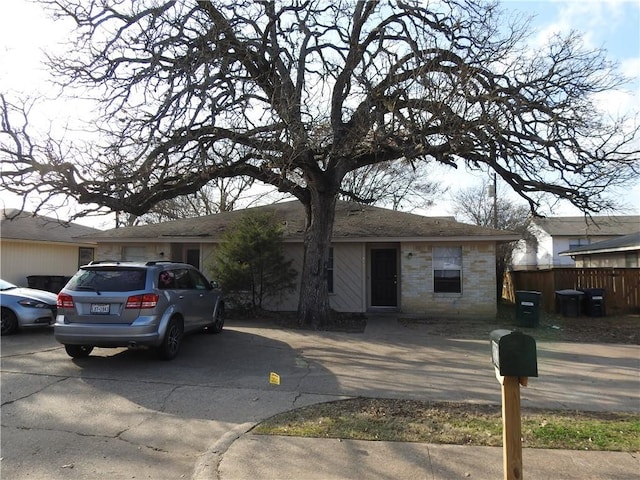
{"type": "Point", "coordinates": [116, 279]}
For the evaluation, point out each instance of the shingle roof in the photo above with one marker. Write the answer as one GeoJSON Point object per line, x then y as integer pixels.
{"type": "Point", "coordinates": [585, 227]}
{"type": "Point", "coordinates": [618, 244]}
{"type": "Point", "coordinates": [18, 225]}
{"type": "Point", "coordinates": [352, 222]}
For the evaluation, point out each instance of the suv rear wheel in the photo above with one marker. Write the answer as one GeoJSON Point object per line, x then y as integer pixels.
{"type": "Point", "coordinates": [78, 351]}
{"type": "Point", "coordinates": [170, 345]}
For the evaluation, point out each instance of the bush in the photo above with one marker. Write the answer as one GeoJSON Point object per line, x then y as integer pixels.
{"type": "Point", "coordinates": [250, 263]}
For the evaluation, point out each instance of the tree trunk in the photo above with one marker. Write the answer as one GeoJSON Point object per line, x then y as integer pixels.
{"type": "Point", "coordinates": [313, 307]}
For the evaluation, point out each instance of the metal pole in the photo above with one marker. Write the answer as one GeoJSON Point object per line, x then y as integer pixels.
{"type": "Point", "coordinates": [495, 201]}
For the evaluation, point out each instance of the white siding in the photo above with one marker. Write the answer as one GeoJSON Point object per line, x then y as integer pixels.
{"type": "Point", "coordinates": [20, 259]}
{"type": "Point", "coordinates": [288, 301]}
{"type": "Point", "coordinates": [348, 278]}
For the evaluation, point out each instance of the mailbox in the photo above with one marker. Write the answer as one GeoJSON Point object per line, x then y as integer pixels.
{"type": "Point", "coordinates": [514, 354]}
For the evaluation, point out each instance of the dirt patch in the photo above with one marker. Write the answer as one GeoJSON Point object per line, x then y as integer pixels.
{"type": "Point", "coordinates": [622, 329]}
{"type": "Point", "coordinates": [339, 322]}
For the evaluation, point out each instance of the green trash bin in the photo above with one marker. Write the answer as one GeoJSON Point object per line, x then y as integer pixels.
{"type": "Point", "coordinates": [528, 308]}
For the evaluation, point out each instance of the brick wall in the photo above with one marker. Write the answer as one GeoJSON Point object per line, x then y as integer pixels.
{"type": "Point", "coordinates": [478, 297]}
{"type": "Point", "coordinates": [108, 251]}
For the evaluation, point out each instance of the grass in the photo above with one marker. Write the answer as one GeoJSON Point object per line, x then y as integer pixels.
{"type": "Point", "coordinates": [456, 423]}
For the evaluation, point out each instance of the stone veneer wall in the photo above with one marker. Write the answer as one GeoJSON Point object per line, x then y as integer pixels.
{"type": "Point", "coordinates": [108, 251]}
{"type": "Point", "coordinates": [478, 297]}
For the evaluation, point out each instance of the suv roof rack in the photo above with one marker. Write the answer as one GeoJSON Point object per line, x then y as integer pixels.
{"type": "Point", "coordinates": [148, 264]}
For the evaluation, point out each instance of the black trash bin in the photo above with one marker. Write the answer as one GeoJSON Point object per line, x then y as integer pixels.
{"type": "Point", "coordinates": [57, 282]}
{"type": "Point", "coordinates": [528, 308]}
{"type": "Point", "coordinates": [569, 302]}
{"type": "Point", "coordinates": [41, 282]}
{"type": "Point", "coordinates": [593, 302]}
{"type": "Point", "coordinates": [50, 283]}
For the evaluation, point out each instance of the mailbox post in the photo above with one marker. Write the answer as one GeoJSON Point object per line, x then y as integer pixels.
{"type": "Point", "coordinates": [514, 357]}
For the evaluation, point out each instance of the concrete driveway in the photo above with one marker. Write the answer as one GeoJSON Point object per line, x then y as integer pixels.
{"type": "Point", "coordinates": [124, 414]}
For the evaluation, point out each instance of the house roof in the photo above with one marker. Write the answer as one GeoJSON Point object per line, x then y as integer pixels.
{"type": "Point", "coordinates": [586, 227]}
{"type": "Point", "coordinates": [20, 225]}
{"type": "Point", "coordinates": [353, 222]}
{"type": "Point", "coordinates": [625, 243]}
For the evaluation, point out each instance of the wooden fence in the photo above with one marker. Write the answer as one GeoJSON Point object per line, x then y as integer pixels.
{"type": "Point", "coordinates": [621, 285]}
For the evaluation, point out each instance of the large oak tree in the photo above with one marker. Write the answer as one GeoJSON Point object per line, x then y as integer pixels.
{"type": "Point", "coordinates": [299, 93]}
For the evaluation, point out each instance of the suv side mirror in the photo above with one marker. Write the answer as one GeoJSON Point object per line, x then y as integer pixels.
{"type": "Point", "coordinates": [214, 284]}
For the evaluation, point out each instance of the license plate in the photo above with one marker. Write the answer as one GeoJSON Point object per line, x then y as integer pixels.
{"type": "Point", "coordinates": [100, 308]}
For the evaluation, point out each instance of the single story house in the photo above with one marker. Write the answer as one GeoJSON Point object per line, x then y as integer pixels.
{"type": "Point", "coordinates": [38, 246]}
{"type": "Point", "coordinates": [381, 260]}
{"type": "Point", "coordinates": [552, 235]}
{"type": "Point", "coordinates": [619, 252]}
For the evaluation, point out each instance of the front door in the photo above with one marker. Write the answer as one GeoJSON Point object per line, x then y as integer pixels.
{"type": "Point", "coordinates": [193, 257]}
{"type": "Point", "coordinates": [384, 277]}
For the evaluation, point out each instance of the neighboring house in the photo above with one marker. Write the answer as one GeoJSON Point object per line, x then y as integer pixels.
{"type": "Point", "coordinates": [380, 259]}
{"type": "Point", "coordinates": [619, 252]}
{"type": "Point", "coordinates": [552, 235]}
{"type": "Point", "coordinates": [33, 245]}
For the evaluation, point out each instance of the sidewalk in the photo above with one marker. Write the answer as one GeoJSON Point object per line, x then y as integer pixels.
{"type": "Point", "coordinates": [271, 457]}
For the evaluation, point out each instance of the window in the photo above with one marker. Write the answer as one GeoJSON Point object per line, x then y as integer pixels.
{"type": "Point", "coordinates": [330, 271]}
{"type": "Point", "coordinates": [183, 279]}
{"type": "Point", "coordinates": [199, 282]}
{"type": "Point", "coordinates": [578, 242]}
{"type": "Point", "coordinates": [85, 256]}
{"type": "Point", "coordinates": [447, 269]}
{"type": "Point", "coordinates": [133, 254]}
{"type": "Point", "coordinates": [108, 279]}
{"type": "Point", "coordinates": [166, 280]}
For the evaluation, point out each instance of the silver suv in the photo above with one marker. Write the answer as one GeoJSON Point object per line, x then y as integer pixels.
{"type": "Point", "coordinates": [134, 304]}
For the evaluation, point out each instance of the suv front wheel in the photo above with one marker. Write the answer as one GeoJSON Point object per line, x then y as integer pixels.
{"type": "Point", "coordinates": [218, 321]}
{"type": "Point", "coordinates": [170, 345]}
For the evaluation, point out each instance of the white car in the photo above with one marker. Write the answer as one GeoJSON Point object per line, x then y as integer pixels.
{"type": "Point", "coordinates": [25, 307]}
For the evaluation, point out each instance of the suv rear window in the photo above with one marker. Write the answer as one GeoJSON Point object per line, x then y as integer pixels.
{"type": "Point", "coordinates": [114, 279]}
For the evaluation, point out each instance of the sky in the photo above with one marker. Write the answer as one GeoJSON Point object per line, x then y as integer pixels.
{"type": "Point", "coordinates": [613, 25]}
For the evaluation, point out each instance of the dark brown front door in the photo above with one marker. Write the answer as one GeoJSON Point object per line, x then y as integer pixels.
{"type": "Point", "coordinates": [384, 277]}
{"type": "Point", "coordinates": [193, 257]}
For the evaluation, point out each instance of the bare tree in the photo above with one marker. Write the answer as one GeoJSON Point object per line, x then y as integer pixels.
{"type": "Point", "coordinates": [396, 185]}
{"type": "Point", "coordinates": [298, 94]}
{"type": "Point", "coordinates": [486, 205]}
{"type": "Point", "coordinates": [219, 195]}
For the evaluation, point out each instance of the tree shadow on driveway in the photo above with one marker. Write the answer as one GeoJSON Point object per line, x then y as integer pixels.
{"type": "Point", "coordinates": [120, 411]}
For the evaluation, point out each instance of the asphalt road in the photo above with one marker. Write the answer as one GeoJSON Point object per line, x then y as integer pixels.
{"type": "Point", "coordinates": [124, 414]}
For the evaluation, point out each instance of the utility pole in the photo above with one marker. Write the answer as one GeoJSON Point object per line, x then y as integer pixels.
{"type": "Point", "coordinates": [493, 191]}
{"type": "Point", "coordinates": [495, 200]}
